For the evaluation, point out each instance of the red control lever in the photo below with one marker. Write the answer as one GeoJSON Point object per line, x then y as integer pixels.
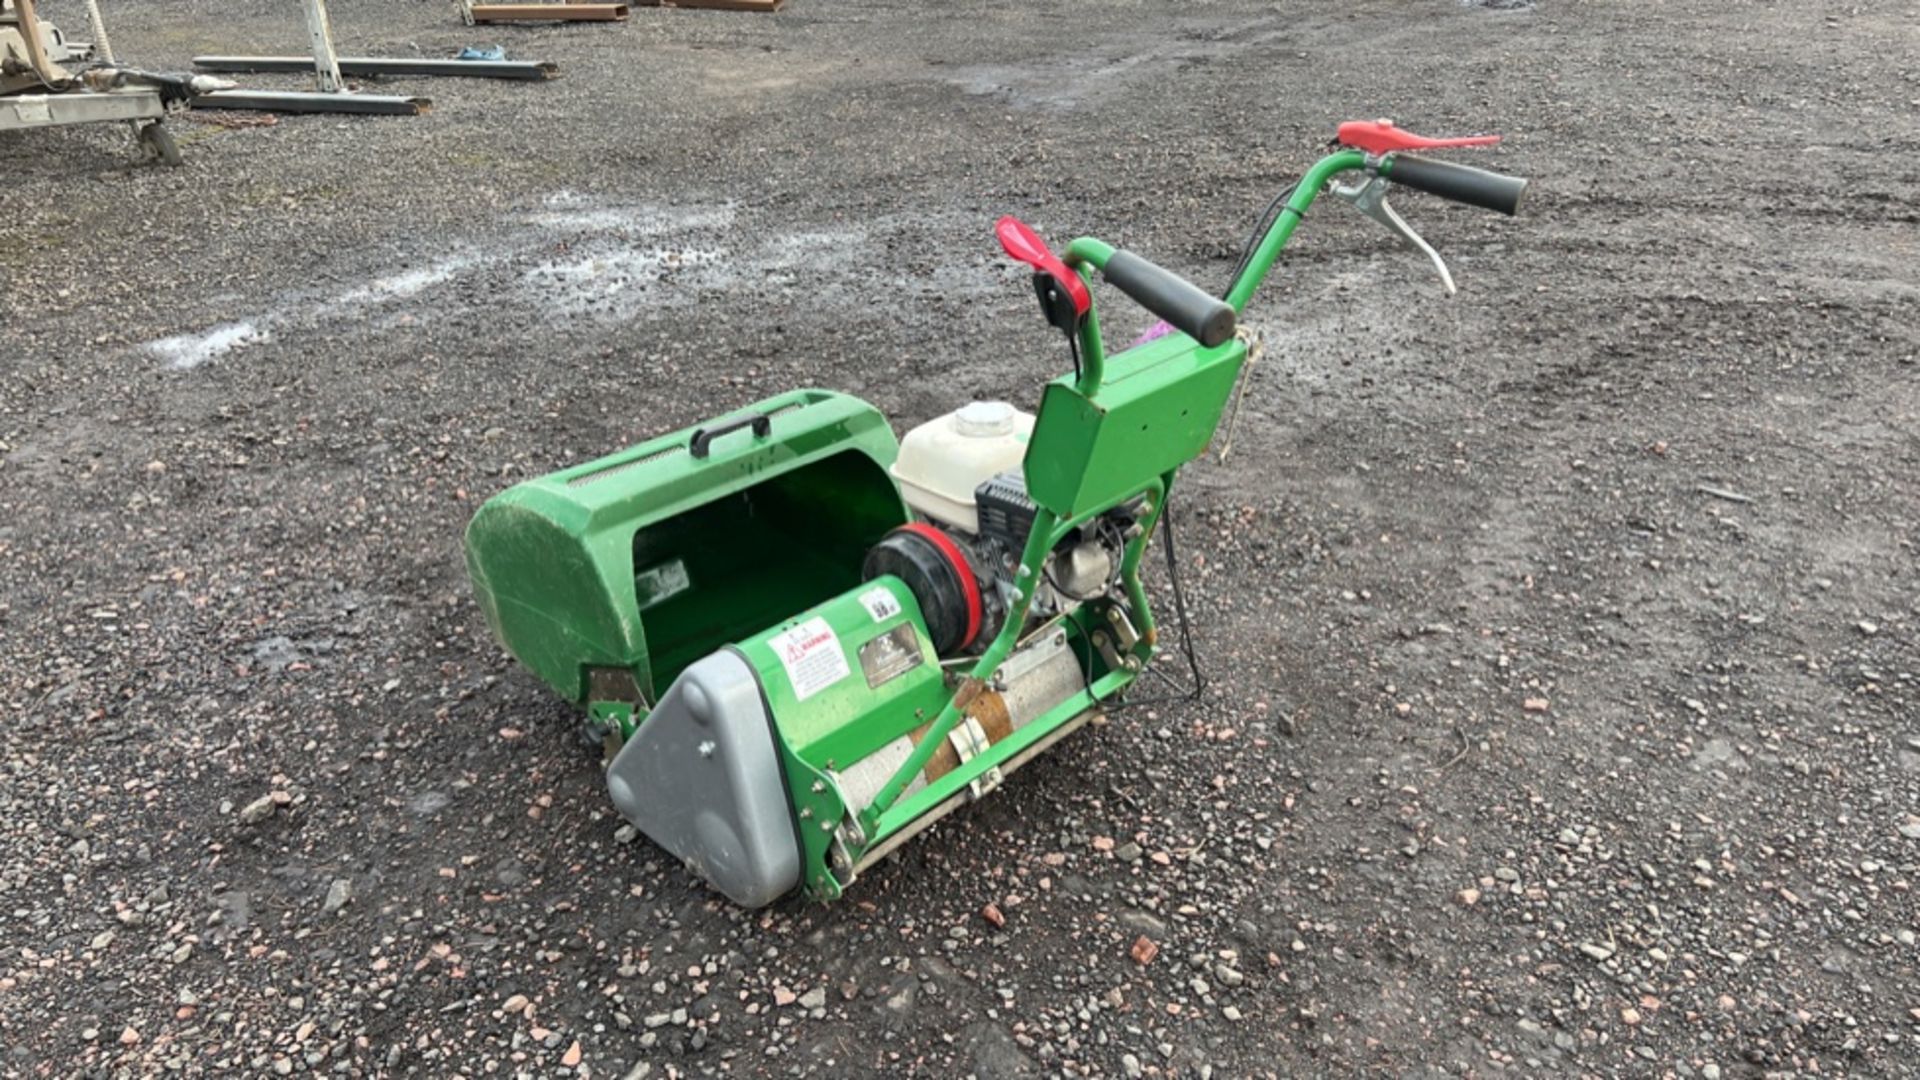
{"type": "Point", "coordinates": [1025, 245]}
{"type": "Point", "coordinates": [1381, 137]}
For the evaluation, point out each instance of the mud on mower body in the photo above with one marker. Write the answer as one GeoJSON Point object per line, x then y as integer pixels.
{"type": "Point", "coordinates": [803, 641]}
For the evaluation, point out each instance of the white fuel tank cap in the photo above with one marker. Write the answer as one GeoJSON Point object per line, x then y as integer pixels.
{"type": "Point", "coordinates": [984, 419]}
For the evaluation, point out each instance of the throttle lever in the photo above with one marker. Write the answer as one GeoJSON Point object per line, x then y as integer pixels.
{"type": "Point", "coordinates": [1370, 198]}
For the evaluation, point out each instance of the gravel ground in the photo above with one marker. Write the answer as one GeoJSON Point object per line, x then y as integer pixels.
{"type": "Point", "coordinates": [1562, 633]}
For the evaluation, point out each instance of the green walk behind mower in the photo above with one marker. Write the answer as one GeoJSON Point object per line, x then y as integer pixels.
{"type": "Point", "coordinates": [804, 641]}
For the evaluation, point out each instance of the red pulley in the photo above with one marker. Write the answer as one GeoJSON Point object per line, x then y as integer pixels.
{"type": "Point", "coordinates": [941, 579]}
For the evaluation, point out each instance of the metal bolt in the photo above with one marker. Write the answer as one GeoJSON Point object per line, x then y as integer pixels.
{"type": "Point", "coordinates": [806, 812]}
{"type": "Point", "coordinates": [819, 786]}
{"type": "Point", "coordinates": [707, 748]}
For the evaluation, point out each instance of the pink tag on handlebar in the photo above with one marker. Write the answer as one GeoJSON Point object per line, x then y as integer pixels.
{"type": "Point", "coordinates": [1025, 245]}
{"type": "Point", "coordinates": [1381, 137]}
{"type": "Point", "coordinates": [1152, 333]}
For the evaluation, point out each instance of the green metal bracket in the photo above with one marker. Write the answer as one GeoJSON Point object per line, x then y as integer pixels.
{"type": "Point", "coordinates": [1048, 530]}
{"type": "Point", "coordinates": [616, 716]}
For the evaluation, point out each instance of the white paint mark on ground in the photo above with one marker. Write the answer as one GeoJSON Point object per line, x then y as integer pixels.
{"type": "Point", "coordinates": [577, 258]}
{"type": "Point", "coordinates": [404, 285]}
{"type": "Point", "coordinates": [189, 351]}
{"type": "Point", "coordinates": [604, 262]}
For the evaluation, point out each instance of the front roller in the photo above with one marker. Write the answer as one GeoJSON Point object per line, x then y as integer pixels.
{"type": "Point", "coordinates": [734, 769]}
{"type": "Point", "coordinates": [702, 777]}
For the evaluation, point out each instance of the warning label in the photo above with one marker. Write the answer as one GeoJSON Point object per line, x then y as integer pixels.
{"type": "Point", "coordinates": [812, 656]}
{"type": "Point", "coordinates": [880, 603]}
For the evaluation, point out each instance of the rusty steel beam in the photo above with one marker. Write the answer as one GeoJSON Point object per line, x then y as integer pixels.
{"type": "Point", "coordinates": [374, 67]}
{"type": "Point", "coordinates": [718, 5]}
{"type": "Point", "coordinates": [309, 102]}
{"type": "Point", "coordinates": [486, 13]}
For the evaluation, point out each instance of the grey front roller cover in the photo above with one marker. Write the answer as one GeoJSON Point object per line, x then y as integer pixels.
{"type": "Point", "coordinates": [702, 778]}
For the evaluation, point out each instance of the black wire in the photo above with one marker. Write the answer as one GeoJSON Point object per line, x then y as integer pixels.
{"type": "Point", "coordinates": [1199, 685]}
{"type": "Point", "coordinates": [1260, 229]}
{"type": "Point", "coordinates": [1073, 350]}
{"type": "Point", "coordinates": [1180, 606]}
{"type": "Point", "coordinates": [1183, 694]}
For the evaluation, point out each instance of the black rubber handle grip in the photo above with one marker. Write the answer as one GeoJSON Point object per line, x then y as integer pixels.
{"type": "Point", "coordinates": [1461, 183]}
{"type": "Point", "coordinates": [702, 442]}
{"type": "Point", "coordinates": [1186, 307]}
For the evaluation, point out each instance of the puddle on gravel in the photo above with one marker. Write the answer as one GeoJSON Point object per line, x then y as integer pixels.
{"type": "Point", "coordinates": [1092, 77]}
{"type": "Point", "coordinates": [407, 284]}
{"type": "Point", "coordinates": [574, 258]}
{"type": "Point", "coordinates": [623, 277]}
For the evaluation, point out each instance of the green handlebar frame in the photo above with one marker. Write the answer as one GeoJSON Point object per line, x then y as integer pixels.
{"type": "Point", "coordinates": [1085, 255]}
{"type": "Point", "coordinates": [1307, 190]}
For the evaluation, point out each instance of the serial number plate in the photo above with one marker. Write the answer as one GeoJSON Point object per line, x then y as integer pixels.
{"type": "Point", "coordinates": [889, 656]}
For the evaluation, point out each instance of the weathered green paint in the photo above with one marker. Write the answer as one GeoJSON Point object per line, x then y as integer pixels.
{"type": "Point", "coordinates": [840, 724]}
{"type": "Point", "coordinates": [845, 721]}
{"type": "Point", "coordinates": [714, 548]}
{"type": "Point", "coordinates": [1154, 410]}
